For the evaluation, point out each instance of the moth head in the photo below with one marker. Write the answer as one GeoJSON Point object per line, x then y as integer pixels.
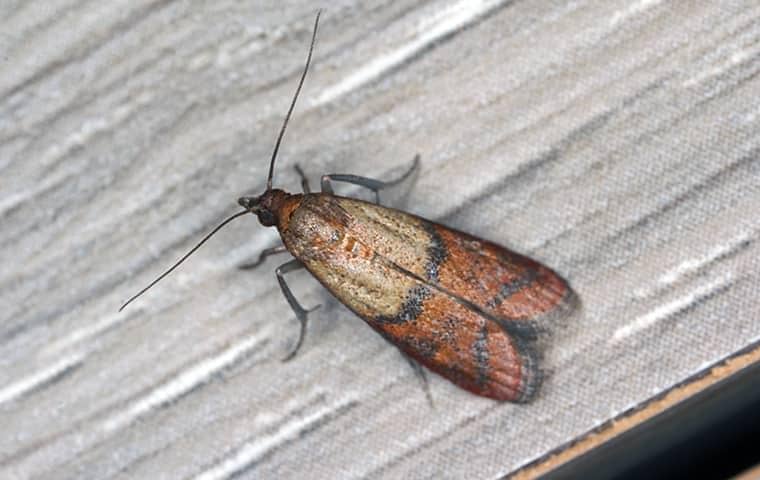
{"type": "Point", "coordinates": [265, 206]}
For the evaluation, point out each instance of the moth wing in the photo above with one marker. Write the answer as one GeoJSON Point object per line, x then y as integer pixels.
{"type": "Point", "coordinates": [461, 306]}
{"type": "Point", "coordinates": [519, 292]}
{"type": "Point", "coordinates": [513, 288]}
{"type": "Point", "coordinates": [461, 344]}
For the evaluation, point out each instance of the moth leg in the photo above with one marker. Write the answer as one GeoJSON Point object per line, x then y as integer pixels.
{"type": "Point", "coordinates": [304, 180]}
{"type": "Point", "coordinates": [301, 313]}
{"type": "Point", "coordinates": [370, 183]}
{"type": "Point", "coordinates": [263, 256]}
{"type": "Point", "coordinates": [419, 372]}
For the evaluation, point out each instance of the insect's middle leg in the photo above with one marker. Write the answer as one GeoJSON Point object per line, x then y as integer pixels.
{"type": "Point", "coordinates": [267, 252]}
{"type": "Point", "coordinates": [370, 183]}
{"type": "Point", "coordinates": [301, 313]}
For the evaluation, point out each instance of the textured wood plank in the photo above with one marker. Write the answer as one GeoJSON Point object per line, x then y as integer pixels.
{"type": "Point", "coordinates": [615, 141]}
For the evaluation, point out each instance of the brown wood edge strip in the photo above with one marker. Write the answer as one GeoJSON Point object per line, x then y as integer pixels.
{"type": "Point", "coordinates": [642, 412]}
{"type": "Point", "coordinates": [752, 473]}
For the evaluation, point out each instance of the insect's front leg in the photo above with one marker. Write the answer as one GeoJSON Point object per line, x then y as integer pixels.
{"type": "Point", "coordinates": [301, 313]}
{"type": "Point", "coordinates": [370, 183]}
{"type": "Point", "coordinates": [263, 256]}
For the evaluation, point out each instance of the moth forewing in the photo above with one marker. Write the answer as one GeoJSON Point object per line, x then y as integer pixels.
{"type": "Point", "coordinates": [461, 306]}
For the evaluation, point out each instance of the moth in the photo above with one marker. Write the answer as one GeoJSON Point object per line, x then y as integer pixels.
{"type": "Point", "coordinates": [465, 308]}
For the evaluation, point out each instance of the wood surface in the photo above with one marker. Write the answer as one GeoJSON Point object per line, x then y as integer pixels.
{"type": "Point", "coordinates": [615, 141]}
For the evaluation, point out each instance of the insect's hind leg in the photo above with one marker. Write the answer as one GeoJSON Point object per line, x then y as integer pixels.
{"type": "Point", "coordinates": [419, 372]}
{"type": "Point", "coordinates": [267, 252]}
{"type": "Point", "coordinates": [370, 183]}
{"type": "Point", "coordinates": [301, 313]}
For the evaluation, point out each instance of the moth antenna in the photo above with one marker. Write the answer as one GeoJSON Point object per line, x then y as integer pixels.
{"type": "Point", "coordinates": [228, 220]}
{"type": "Point", "coordinates": [293, 103]}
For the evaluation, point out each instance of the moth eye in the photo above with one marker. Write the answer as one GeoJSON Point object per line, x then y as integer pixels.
{"type": "Point", "coordinates": [266, 218]}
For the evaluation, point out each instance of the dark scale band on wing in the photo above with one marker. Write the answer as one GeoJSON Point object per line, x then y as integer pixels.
{"type": "Point", "coordinates": [411, 308]}
{"type": "Point", "coordinates": [510, 288]}
{"type": "Point", "coordinates": [532, 374]}
{"type": "Point", "coordinates": [480, 354]}
{"type": "Point", "coordinates": [437, 253]}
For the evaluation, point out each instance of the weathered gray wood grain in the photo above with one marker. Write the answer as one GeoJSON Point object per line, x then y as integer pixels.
{"type": "Point", "coordinates": [615, 141]}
